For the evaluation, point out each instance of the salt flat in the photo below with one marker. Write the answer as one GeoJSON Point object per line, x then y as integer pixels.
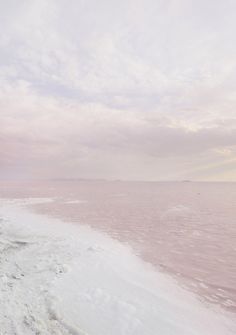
{"type": "Point", "coordinates": [59, 278]}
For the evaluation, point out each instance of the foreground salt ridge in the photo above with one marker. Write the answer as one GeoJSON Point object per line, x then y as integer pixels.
{"type": "Point", "coordinates": [58, 278]}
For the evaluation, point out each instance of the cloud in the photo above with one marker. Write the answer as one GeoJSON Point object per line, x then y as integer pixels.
{"type": "Point", "coordinates": [88, 85]}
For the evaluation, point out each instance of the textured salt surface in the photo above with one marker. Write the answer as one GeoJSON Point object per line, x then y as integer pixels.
{"type": "Point", "coordinates": [57, 278]}
{"type": "Point", "coordinates": [187, 229]}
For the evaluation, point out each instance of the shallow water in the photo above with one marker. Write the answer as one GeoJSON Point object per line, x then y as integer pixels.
{"type": "Point", "coordinates": [188, 229]}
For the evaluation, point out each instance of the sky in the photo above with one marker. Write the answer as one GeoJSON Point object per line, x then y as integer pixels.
{"type": "Point", "coordinates": [128, 89]}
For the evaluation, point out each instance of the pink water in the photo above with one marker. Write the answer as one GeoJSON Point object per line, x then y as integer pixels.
{"type": "Point", "coordinates": [187, 229]}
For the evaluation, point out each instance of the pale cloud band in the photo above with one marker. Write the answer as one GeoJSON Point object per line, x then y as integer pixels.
{"type": "Point", "coordinates": [118, 89]}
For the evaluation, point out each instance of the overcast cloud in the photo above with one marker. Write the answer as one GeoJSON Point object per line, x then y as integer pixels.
{"type": "Point", "coordinates": [135, 89]}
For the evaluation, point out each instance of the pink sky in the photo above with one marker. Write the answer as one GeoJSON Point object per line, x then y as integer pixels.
{"type": "Point", "coordinates": [118, 89]}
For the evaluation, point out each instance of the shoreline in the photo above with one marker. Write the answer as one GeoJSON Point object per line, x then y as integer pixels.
{"type": "Point", "coordinates": [78, 276]}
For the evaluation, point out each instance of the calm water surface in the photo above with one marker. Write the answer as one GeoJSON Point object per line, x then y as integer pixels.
{"type": "Point", "coordinates": [187, 229]}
